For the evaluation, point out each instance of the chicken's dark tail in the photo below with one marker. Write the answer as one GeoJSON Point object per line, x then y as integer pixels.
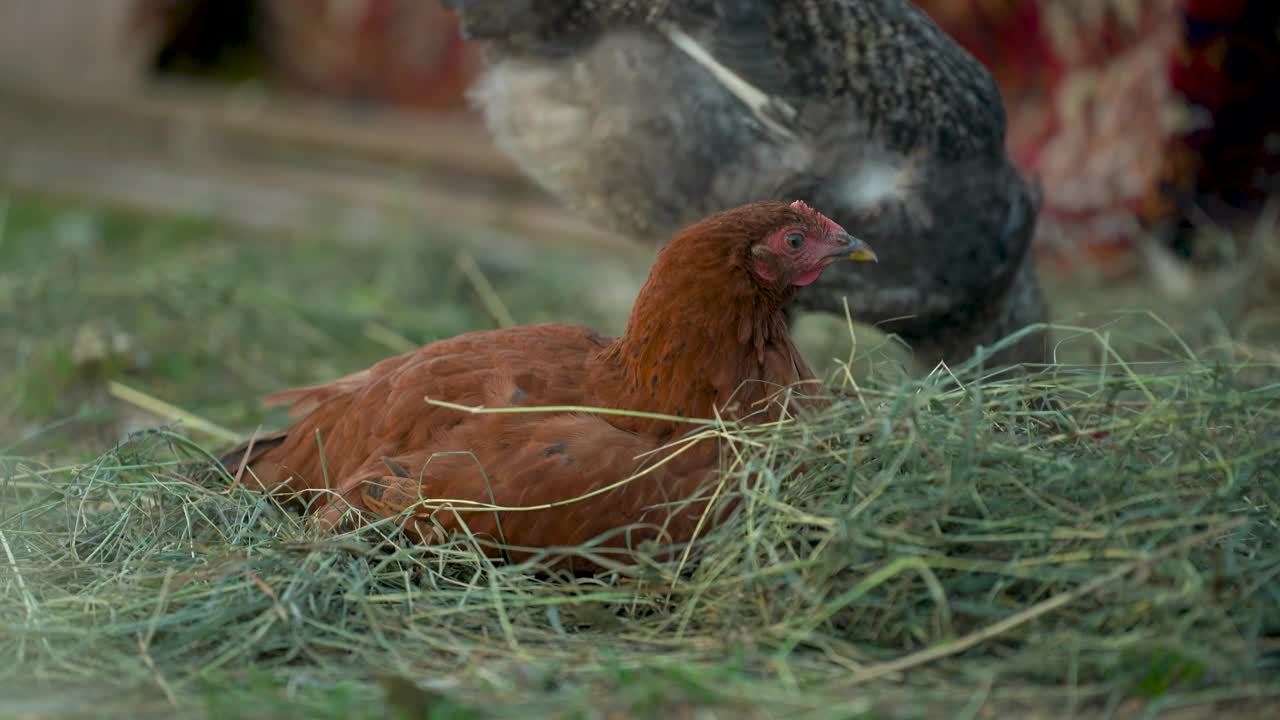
{"type": "Point", "coordinates": [234, 463]}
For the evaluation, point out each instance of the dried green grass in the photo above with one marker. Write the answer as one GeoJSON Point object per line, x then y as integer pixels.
{"type": "Point", "coordinates": [944, 547]}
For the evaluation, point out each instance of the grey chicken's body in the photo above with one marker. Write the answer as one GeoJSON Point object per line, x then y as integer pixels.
{"type": "Point", "coordinates": [865, 109]}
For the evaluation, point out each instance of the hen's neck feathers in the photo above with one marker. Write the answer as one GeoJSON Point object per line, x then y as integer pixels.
{"type": "Point", "coordinates": [704, 334]}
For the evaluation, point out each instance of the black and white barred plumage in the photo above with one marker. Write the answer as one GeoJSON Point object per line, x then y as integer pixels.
{"type": "Point", "coordinates": [644, 116]}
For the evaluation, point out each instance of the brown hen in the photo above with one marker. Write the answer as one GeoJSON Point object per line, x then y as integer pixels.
{"type": "Point", "coordinates": [706, 338]}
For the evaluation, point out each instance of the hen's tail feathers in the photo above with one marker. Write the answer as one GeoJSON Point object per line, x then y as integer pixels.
{"type": "Point", "coordinates": [234, 463]}
{"type": "Point", "coordinates": [303, 400]}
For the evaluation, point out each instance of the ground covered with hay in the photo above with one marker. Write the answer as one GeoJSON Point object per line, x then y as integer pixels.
{"type": "Point", "coordinates": [1099, 538]}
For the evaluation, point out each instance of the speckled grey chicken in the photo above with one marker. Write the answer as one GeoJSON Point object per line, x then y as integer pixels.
{"type": "Point", "coordinates": [644, 115]}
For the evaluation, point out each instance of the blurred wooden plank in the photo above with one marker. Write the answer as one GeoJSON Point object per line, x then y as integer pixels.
{"type": "Point", "coordinates": [274, 164]}
{"type": "Point", "coordinates": [457, 143]}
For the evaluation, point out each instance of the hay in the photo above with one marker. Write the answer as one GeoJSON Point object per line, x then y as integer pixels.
{"type": "Point", "coordinates": [919, 543]}
{"type": "Point", "coordinates": [1098, 537]}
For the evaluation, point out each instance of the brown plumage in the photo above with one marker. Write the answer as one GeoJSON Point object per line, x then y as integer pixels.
{"type": "Point", "coordinates": [646, 114]}
{"type": "Point", "coordinates": [706, 338]}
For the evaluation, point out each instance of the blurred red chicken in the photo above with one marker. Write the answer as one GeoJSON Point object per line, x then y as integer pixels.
{"type": "Point", "coordinates": [1134, 114]}
{"type": "Point", "coordinates": [407, 52]}
{"type": "Point", "coordinates": [403, 52]}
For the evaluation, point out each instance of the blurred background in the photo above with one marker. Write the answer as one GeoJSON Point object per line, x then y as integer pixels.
{"type": "Point", "coordinates": [1136, 115]}
{"type": "Point", "coordinates": [164, 164]}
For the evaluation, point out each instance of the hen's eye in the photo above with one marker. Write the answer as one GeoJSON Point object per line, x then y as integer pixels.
{"type": "Point", "coordinates": [795, 240]}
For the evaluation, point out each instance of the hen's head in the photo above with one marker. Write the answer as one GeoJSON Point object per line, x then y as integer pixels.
{"type": "Point", "coordinates": [790, 245]}
{"type": "Point", "coordinates": [770, 249]}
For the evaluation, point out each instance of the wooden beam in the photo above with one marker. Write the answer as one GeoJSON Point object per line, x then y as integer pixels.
{"type": "Point", "coordinates": [274, 163]}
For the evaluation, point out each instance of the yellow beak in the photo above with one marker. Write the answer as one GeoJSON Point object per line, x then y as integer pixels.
{"type": "Point", "coordinates": [855, 249]}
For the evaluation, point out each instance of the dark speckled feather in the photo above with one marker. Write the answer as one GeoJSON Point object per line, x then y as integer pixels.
{"type": "Point", "coordinates": [886, 56]}
{"type": "Point", "coordinates": [896, 132]}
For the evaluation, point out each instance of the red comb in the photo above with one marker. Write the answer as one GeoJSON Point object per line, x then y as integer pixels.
{"type": "Point", "coordinates": [832, 225]}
